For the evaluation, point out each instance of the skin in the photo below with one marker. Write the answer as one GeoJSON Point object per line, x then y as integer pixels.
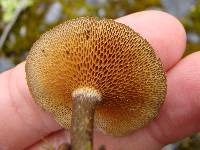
{"type": "Point", "coordinates": [24, 125]}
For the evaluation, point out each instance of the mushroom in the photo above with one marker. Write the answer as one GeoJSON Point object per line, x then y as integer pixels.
{"type": "Point", "coordinates": [96, 70]}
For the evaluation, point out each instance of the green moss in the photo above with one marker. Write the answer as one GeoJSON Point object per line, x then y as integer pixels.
{"type": "Point", "coordinates": [192, 24]}
{"type": "Point", "coordinates": [192, 143]}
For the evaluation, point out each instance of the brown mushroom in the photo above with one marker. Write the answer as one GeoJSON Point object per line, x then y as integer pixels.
{"type": "Point", "coordinates": [102, 67]}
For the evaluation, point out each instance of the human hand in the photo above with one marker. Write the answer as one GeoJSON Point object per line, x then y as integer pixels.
{"type": "Point", "coordinates": [23, 125]}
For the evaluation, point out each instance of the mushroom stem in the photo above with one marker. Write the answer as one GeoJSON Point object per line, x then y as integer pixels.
{"type": "Point", "coordinates": [83, 109]}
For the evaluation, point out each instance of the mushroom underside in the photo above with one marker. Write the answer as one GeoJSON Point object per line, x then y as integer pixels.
{"type": "Point", "coordinates": [101, 54]}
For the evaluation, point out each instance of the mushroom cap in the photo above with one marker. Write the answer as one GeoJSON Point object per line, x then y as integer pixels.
{"type": "Point", "coordinates": [102, 54]}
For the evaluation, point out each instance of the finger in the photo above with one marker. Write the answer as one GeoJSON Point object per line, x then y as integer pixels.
{"type": "Point", "coordinates": [54, 140]}
{"type": "Point", "coordinates": [135, 141]}
{"type": "Point", "coordinates": [29, 121]}
{"type": "Point", "coordinates": [178, 118]}
{"type": "Point", "coordinates": [163, 31]}
{"type": "Point", "coordinates": [21, 120]}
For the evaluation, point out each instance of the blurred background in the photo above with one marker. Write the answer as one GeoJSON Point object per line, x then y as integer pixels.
{"type": "Point", "coordinates": [22, 21]}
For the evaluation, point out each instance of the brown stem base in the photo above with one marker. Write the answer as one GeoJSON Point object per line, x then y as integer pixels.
{"type": "Point", "coordinates": [83, 109]}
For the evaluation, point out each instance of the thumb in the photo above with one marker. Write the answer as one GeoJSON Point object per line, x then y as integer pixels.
{"type": "Point", "coordinates": [19, 116]}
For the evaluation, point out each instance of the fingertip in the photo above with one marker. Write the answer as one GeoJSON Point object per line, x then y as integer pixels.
{"type": "Point", "coordinates": [164, 32]}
